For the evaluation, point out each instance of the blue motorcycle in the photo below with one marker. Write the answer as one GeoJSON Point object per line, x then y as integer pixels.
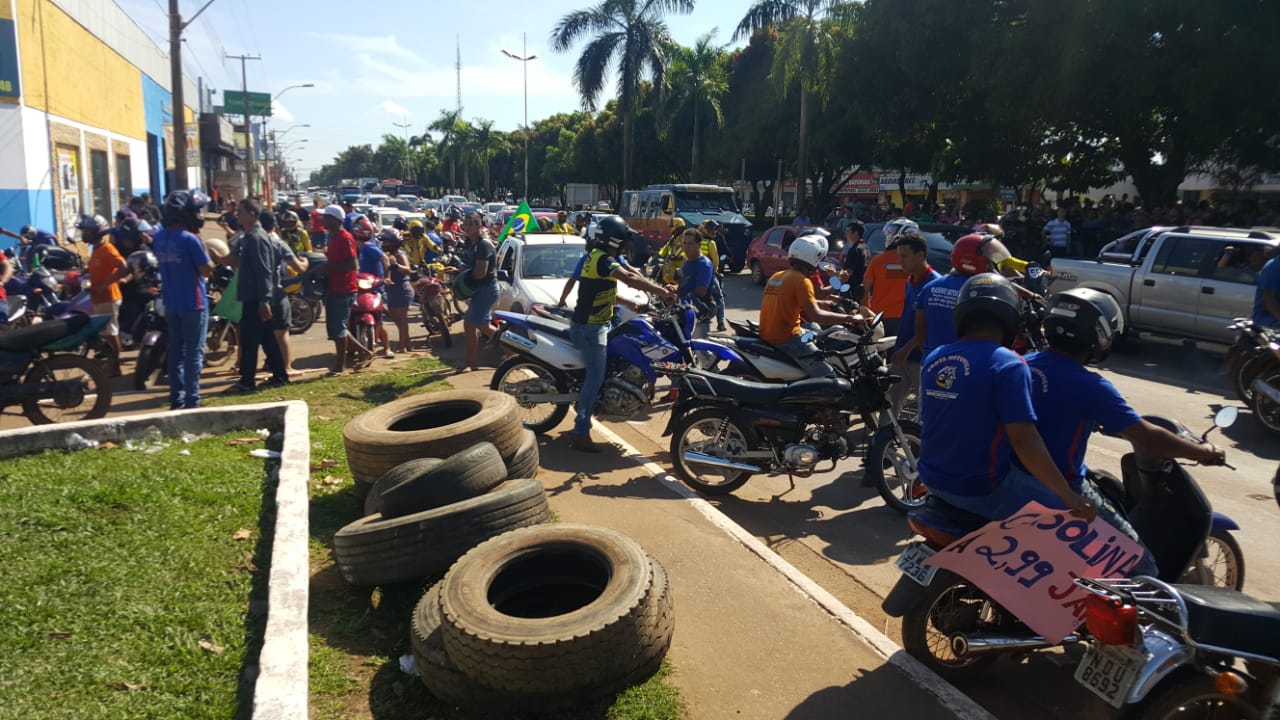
{"type": "Point", "coordinates": [545, 371]}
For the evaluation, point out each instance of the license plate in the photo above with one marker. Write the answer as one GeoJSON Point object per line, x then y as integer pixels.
{"type": "Point", "coordinates": [911, 563]}
{"type": "Point", "coordinates": [1110, 671]}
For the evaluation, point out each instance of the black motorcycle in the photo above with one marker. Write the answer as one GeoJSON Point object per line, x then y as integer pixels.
{"type": "Point", "coordinates": [724, 430]}
{"type": "Point", "coordinates": [51, 384]}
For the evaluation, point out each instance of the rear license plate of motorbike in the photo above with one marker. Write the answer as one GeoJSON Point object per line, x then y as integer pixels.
{"type": "Point", "coordinates": [1110, 671]}
{"type": "Point", "coordinates": [911, 563]}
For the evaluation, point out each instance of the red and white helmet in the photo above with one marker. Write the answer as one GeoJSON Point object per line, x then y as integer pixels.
{"type": "Point", "coordinates": [973, 252]}
{"type": "Point", "coordinates": [361, 228]}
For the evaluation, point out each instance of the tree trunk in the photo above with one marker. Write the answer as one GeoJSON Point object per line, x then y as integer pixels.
{"type": "Point", "coordinates": [627, 121]}
{"type": "Point", "coordinates": [902, 187]}
{"type": "Point", "coordinates": [693, 163]}
{"type": "Point", "coordinates": [802, 169]}
{"type": "Point", "coordinates": [453, 176]}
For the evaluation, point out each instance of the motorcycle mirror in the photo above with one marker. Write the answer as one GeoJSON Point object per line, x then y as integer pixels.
{"type": "Point", "coordinates": [876, 320]}
{"type": "Point", "coordinates": [1226, 417]}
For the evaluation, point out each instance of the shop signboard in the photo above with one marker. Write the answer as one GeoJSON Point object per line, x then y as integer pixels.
{"type": "Point", "coordinates": [9, 71]}
{"type": "Point", "coordinates": [233, 101]}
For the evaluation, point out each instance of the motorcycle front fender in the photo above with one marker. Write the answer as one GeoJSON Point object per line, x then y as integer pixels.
{"type": "Point", "coordinates": [152, 338]}
{"type": "Point", "coordinates": [1223, 523]}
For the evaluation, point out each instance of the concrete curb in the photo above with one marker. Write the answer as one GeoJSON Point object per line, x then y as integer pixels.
{"type": "Point", "coordinates": [960, 704]}
{"type": "Point", "coordinates": [281, 687]}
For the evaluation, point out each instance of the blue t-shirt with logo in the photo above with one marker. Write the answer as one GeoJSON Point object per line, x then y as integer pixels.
{"type": "Point", "coordinates": [371, 255]}
{"type": "Point", "coordinates": [969, 390]}
{"type": "Point", "coordinates": [180, 256]}
{"type": "Point", "coordinates": [907, 325]}
{"type": "Point", "coordinates": [938, 301]}
{"type": "Point", "coordinates": [1070, 401]}
{"type": "Point", "coordinates": [694, 274]}
{"type": "Point", "coordinates": [1268, 279]}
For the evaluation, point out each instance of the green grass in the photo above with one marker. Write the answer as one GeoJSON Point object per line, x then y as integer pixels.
{"type": "Point", "coordinates": [358, 635]}
{"type": "Point", "coordinates": [118, 566]}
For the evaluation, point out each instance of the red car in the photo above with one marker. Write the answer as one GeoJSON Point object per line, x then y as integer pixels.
{"type": "Point", "coordinates": [768, 251]}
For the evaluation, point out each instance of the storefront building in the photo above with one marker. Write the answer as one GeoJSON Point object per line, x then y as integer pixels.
{"type": "Point", "coordinates": [86, 117]}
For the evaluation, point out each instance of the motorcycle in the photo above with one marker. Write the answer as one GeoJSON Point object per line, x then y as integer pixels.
{"type": "Point", "coordinates": [50, 384]}
{"type": "Point", "coordinates": [366, 313]}
{"type": "Point", "coordinates": [1162, 649]}
{"type": "Point", "coordinates": [953, 627]}
{"type": "Point", "coordinates": [1252, 354]}
{"type": "Point", "coordinates": [433, 296]}
{"type": "Point", "coordinates": [546, 371]}
{"type": "Point", "coordinates": [305, 294]}
{"type": "Point", "coordinates": [222, 341]}
{"type": "Point", "coordinates": [151, 332]}
{"type": "Point", "coordinates": [724, 430]}
{"type": "Point", "coordinates": [1260, 373]}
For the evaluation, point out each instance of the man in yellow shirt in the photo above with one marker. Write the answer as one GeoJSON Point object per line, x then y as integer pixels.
{"type": "Point", "coordinates": [788, 295]}
{"type": "Point", "coordinates": [418, 245]}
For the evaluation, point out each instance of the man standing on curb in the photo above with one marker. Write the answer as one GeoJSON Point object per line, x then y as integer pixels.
{"type": "Point", "coordinates": [184, 267]}
{"type": "Point", "coordinates": [259, 270]}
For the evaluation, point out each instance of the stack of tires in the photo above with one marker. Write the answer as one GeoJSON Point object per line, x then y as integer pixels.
{"type": "Point", "coordinates": [543, 618]}
{"type": "Point", "coordinates": [438, 474]}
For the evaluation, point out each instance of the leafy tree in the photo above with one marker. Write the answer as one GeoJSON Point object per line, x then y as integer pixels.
{"type": "Point", "coordinates": [699, 81]}
{"type": "Point", "coordinates": [805, 56]}
{"type": "Point", "coordinates": [451, 128]}
{"type": "Point", "coordinates": [628, 33]}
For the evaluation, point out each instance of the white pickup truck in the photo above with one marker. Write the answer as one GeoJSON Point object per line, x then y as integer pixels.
{"type": "Point", "coordinates": [1186, 282]}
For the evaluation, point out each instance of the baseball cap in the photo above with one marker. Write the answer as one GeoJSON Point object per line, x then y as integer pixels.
{"type": "Point", "coordinates": [334, 211]}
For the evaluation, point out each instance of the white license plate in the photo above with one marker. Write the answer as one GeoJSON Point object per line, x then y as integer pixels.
{"type": "Point", "coordinates": [1109, 671]}
{"type": "Point", "coordinates": [911, 563]}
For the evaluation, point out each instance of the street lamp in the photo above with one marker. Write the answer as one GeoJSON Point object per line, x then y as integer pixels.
{"type": "Point", "coordinates": [524, 64]}
{"type": "Point", "coordinates": [287, 89]}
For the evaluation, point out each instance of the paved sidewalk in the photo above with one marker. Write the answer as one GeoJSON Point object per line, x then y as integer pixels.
{"type": "Point", "coordinates": [750, 642]}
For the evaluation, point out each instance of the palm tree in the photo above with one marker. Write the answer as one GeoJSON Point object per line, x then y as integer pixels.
{"type": "Point", "coordinates": [448, 126]}
{"type": "Point", "coordinates": [484, 142]}
{"type": "Point", "coordinates": [630, 33]}
{"type": "Point", "coordinates": [700, 77]}
{"type": "Point", "coordinates": [806, 53]}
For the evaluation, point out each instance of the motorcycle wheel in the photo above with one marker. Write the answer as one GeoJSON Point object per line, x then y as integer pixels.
{"type": "Point", "coordinates": [301, 315]}
{"type": "Point", "coordinates": [700, 431]}
{"type": "Point", "coordinates": [885, 468]}
{"type": "Point", "coordinates": [519, 374]}
{"type": "Point", "coordinates": [1264, 408]}
{"type": "Point", "coordinates": [1251, 366]}
{"type": "Point", "coordinates": [97, 392]}
{"type": "Point", "coordinates": [442, 324]}
{"type": "Point", "coordinates": [144, 366]}
{"type": "Point", "coordinates": [366, 337]}
{"type": "Point", "coordinates": [1192, 694]}
{"type": "Point", "coordinates": [950, 605]}
{"type": "Point", "coordinates": [1222, 566]}
{"type": "Point", "coordinates": [221, 344]}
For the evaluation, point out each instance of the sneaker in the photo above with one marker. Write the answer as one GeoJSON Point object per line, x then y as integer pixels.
{"type": "Point", "coordinates": [388, 354]}
{"type": "Point", "coordinates": [240, 389]}
{"type": "Point", "coordinates": [584, 443]}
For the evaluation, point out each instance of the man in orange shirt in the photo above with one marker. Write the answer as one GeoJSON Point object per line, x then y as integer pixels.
{"type": "Point", "coordinates": [788, 295]}
{"type": "Point", "coordinates": [106, 268]}
{"type": "Point", "coordinates": [885, 283]}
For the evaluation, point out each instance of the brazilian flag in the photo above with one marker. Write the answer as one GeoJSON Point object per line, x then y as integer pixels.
{"type": "Point", "coordinates": [522, 222]}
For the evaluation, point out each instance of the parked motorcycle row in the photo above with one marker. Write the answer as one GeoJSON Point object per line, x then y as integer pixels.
{"type": "Point", "coordinates": [1254, 364]}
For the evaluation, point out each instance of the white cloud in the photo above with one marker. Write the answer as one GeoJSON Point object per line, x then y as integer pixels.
{"type": "Point", "coordinates": [394, 108]}
{"type": "Point", "coordinates": [280, 112]}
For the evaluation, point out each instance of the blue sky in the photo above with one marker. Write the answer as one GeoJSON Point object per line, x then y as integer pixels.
{"type": "Point", "coordinates": [375, 63]}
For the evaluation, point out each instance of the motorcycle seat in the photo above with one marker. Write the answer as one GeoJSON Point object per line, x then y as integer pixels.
{"type": "Point", "coordinates": [37, 336]}
{"type": "Point", "coordinates": [940, 523]}
{"type": "Point", "coordinates": [1232, 620]}
{"type": "Point", "coordinates": [760, 348]}
{"type": "Point", "coordinates": [756, 393]}
{"type": "Point", "coordinates": [550, 327]}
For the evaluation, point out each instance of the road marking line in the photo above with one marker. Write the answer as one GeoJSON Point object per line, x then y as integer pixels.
{"type": "Point", "coordinates": [957, 702]}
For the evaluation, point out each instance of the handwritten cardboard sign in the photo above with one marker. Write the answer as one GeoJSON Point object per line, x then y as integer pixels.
{"type": "Point", "coordinates": [1028, 561]}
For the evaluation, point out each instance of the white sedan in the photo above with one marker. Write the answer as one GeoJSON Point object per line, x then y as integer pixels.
{"type": "Point", "coordinates": [532, 270]}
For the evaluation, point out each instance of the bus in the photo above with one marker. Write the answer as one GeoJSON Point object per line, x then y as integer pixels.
{"type": "Point", "coordinates": [653, 210]}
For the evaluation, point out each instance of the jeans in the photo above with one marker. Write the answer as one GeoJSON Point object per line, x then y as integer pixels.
{"type": "Point", "coordinates": [592, 341]}
{"type": "Point", "coordinates": [1020, 487]}
{"type": "Point", "coordinates": [806, 356]}
{"type": "Point", "coordinates": [717, 293]}
{"type": "Point", "coordinates": [254, 333]}
{"type": "Point", "coordinates": [187, 330]}
{"type": "Point", "coordinates": [336, 309]}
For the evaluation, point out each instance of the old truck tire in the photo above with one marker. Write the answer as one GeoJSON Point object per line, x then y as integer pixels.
{"type": "Point", "coordinates": [467, 474]}
{"type": "Point", "coordinates": [442, 678]}
{"type": "Point", "coordinates": [393, 477]}
{"type": "Point", "coordinates": [556, 614]}
{"type": "Point", "coordinates": [431, 425]}
{"type": "Point", "coordinates": [524, 464]}
{"type": "Point", "coordinates": [378, 551]}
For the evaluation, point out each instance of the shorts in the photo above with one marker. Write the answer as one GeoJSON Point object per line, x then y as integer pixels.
{"type": "Point", "coordinates": [336, 310]}
{"type": "Point", "coordinates": [399, 295]}
{"type": "Point", "coordinates": [281, 314]}
{"type": "Point", "coordinates": [480, 311]}
{"type": "Point", "coordinates": [112, 328]}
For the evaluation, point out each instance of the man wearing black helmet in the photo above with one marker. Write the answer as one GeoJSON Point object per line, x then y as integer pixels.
{"type": "Point", "coordinates": [593, 314]}
{"type": "Point", "coordinates": [1070, 401]}
{"type": "Point", "coordinates": [976, 412]}
{"type": "Point", "coordinates": [184, 268]}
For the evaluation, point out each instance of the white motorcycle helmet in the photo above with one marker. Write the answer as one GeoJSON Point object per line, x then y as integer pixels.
{"type": "Point", "coordinates": [894, 228]}
{"type": "Point", "coordinates": [808, 249]}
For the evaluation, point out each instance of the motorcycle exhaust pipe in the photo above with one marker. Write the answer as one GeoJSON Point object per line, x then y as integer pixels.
{"type": "Point", "coordinates": [702, 459]}
{"type": "Point", "coordinates": [975, 644]}
{"type": "Point", "coordinates": [1266, 389]}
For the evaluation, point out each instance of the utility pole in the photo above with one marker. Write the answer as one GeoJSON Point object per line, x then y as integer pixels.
{"type": "Point", "coordinates": [404, 161]}
{"type": "Point", "coordinates": [248, 125]}
{"type": "Point", "coordinates": [524, 57]}
{"type": "Point", "coordinates": [178, 104]}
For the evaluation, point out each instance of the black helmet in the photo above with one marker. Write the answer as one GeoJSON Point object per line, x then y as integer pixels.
{"type": "Point", "coordinates": [185, 208]}
{"type": "Point", "coordinates": [988, 297]}
{"type": "Point", "coordinates": [454, 212]}
{"type": "Point", "coordinates": [612, 231]}
{"type": "Point", "coordinates": [400, 223]}
{"type": "Point", "coordinates": [28, 232]}
{"type": "Point", "coordinates": [1083, 320]}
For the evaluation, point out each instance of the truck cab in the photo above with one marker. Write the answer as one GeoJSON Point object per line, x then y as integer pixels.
{"type": "Point", "coordinates": [652, 212]}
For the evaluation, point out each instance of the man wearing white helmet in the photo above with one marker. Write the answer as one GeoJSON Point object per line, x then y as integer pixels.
{"type": "Point", "coordinates": [885, 282]}
{"type": "Point", "coordinates": [789, 297]}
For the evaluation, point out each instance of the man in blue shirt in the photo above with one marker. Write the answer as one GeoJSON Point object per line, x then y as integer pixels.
{"type": "Point", "coordinates": [976, 412]}
{"type": "Point", "coordinates": [1266, 299]}
{"type": "Point", "coordinates": [971, 255]}
{"type": "Point", "coordinates": [696, 277]}
{"type": "Point", "coordinates": [184, 267]}
{"type": "Point", "coordinates": [1070, 401]}
{"type": "Point", "coordinates": [913, 255]}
